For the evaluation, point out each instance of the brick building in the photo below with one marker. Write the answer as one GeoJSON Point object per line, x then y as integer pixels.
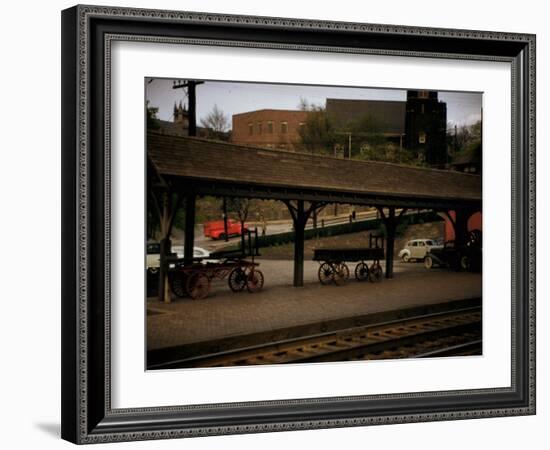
{"type": "Point", "coordinates": [271, 128]}
{"type": "Point", "coordinates": [419, 124]}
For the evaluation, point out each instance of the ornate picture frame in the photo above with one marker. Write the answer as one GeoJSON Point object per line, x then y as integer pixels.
{"type": "Point", "coordinates": [87, 413]}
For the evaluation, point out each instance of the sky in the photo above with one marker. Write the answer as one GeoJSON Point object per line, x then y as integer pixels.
{"type": "Point", "coordinates": [463, 108]}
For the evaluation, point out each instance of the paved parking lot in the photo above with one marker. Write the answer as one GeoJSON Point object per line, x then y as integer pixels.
{"type": "Point", "coordinates": [279, 305]}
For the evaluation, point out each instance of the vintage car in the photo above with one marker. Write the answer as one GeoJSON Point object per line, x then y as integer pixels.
{"type": "Point", "coordinates": [153, 255]}
{"type": "Point", "coordinates": [466, 257]}
{"type": "Point", "coordinates": [215, 229]}
{"type": "Point", "coordinates": [417, 249]}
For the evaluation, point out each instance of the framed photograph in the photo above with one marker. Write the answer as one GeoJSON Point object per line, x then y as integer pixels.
{"type": "Point", "coordinates": [279, 224]}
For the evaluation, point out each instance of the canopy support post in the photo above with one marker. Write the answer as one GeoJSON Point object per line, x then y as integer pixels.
{"type": "Point", "coordinates": [391, 225]}
{"type": "Point", "coordinates": [300, 216]}
{"type": "Point", "coordinates": [299, 237]}
{"type": "Point", "coordinates": [390, 221]}
{"type": "Point", "coordinates": [189, 242]}
{"type": "Point", "coordinates": [167, 215]}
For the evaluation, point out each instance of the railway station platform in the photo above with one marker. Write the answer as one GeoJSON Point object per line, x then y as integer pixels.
{"type": "Point", "coordinates": [226, 320]}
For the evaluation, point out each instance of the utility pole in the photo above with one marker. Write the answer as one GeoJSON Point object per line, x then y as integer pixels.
{"type": "Point", "coordinates": [190, 201]}
{"type": "Point", "coordinates": [192, 99]}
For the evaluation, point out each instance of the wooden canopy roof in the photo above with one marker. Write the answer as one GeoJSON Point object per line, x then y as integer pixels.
{"type": "Point", "coordinates": [212, 167]}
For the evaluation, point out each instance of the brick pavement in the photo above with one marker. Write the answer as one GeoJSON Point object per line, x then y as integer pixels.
{"type": "Point", "coordinates": [280, 305]}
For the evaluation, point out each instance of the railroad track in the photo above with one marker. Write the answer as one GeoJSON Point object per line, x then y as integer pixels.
{"type": "Point", "coordinates": [441, 334]}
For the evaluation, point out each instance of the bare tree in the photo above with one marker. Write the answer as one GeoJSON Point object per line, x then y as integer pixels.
{"type": "Point", "coordinates": [216, 122]}
{"type": "Point", "coordinates": [304, 104]}
{"type": "Point", "coordinates": [240, 206]}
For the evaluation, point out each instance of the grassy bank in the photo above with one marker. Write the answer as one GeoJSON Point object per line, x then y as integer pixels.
{"type": "Point", "coordinates": [430, 230]}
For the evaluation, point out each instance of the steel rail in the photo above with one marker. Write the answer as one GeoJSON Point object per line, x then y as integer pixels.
{"type": "Point", "coordinates": [334, 344]}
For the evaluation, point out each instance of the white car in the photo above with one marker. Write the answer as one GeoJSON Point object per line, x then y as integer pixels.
{"type": "Point", "coordinates": [153, 255]}
{"type": "Point", "coordinates": [416, 249]}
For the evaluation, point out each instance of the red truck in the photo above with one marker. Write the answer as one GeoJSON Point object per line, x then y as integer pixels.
{"type": "Point", "coordinates": [216, 230]}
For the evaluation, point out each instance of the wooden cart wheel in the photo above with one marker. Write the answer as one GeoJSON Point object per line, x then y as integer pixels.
{"type": "Point", "coordinates": [375, 272]}
{"type": "Point", "coordinates": [325, 273]}
{"type": "Point", "coordinates": [178, 283]}
{"type": "Point", "coordinates": [341, 274]}
{"type": "Point", "coordinates": [361, 272]}
{"type": "Point", "coordinates": [465, 262]}
{"type": "Point", "coordinates": [198, 285]}
{"type": "Point", "coordinates": [236, 279]}
{"type": "Point", "coordinates": [254, 280]}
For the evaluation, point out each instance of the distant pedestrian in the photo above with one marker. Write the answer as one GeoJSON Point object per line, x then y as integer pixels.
{"type": "Point", "coordinates": [264, 226]}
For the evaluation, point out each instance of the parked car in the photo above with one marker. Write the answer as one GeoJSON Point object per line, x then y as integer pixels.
{"type": "Point", "coordinates": [467, 257]}
{"type": "Point", "coordinates": [417, 249]}
{"type": "Point", "coordinates": [215, 229]}
{"type": "Point", "coordinates": [153, 255]}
